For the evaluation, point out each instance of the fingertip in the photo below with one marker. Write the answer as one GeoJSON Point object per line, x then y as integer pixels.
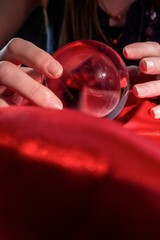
{"type": "Point", "coordinates": [125, 52]}
{"type": "Point", "coordinates": [59, 105]}
{"type": "Point", "coordinates": [143, 66]}
{"type": "Point", "coordinates": [135, 91]}
{"type": "Point", "coordinates": [146, 65]}
{"type": "Point", "coordinates": [59, 68]}
{"type": "Point", "coordinates": [55, 69]}
{"type": "Point", "coordinates": [54, 102]}
{"type": "Point", "coordinates": [155, 112]}
{"type": "Point", "coordinates": [152, 113]}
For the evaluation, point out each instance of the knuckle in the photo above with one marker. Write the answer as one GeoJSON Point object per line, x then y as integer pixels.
{"type": "Point", "coordinates": [156, 45]}
{"type": "Point", "coordinates": [40, 57]}
{"type": "Point", "coordinates": [37, 53]}
{"type": "Point", "coordinates": [39, 94]}
{"type": "Point", "coordinates": [12, 45]}
{"type": "Point", "coordinates": [9, 51]}
{"type": "Point", "coordinates": [35, 90]}
{"type": "Point", "coordinates": [47, 96]}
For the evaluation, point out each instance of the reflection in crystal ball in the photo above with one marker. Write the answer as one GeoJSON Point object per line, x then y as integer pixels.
{"type": "Point", "coordinates": [94, 79]}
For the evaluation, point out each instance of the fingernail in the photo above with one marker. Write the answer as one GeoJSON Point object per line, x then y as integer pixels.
{"type": "Point", "coordinates": [54, 102]}
{"type": "Point", "coordinates": [54, 69]}
{"type": "Point", "coordinates": [125, 53]}
{"type": "Point", "coordinates": [140, 91]}
{"type": "Point", "coordinates": [147, 65]}
{"type": "Point", "coordinates": [155, 112]}
{"type": "Point", "coordinates": [135, 91]}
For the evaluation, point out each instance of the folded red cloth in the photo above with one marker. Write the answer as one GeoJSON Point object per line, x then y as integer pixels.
{"type": "Point", "coordinates": [136, 117]}
{"type": "Point", "coordinates": [67, 175]}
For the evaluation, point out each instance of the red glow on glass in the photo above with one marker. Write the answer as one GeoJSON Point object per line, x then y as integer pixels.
{"type": "Point", "coordinates": [94, 80]}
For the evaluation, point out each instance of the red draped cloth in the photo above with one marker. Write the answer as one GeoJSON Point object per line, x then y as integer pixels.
{"type": "Point", "coordinates": [67, 175]}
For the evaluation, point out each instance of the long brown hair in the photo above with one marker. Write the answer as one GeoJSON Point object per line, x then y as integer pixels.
{"type": "Point", "coordinates": [80, 21]}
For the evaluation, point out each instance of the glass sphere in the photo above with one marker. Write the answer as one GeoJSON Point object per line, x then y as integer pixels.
{"type": "Point", "coordinates": [94, 79]}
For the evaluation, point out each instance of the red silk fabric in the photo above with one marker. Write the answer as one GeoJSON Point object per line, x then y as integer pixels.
{"type": "Point", "coordinates": [136, 117]}
{"type": "Point", "coordinates": [67, 175]}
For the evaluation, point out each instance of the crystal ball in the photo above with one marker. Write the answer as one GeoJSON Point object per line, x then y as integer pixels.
{"type": "Point", "coordinates": [94, 80]}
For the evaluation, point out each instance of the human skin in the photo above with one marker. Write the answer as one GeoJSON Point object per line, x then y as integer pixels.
{"type": "Point", "coordinates": [21, 81]}
{"type": "Point", "coordinates": [149, 55]}
{"type": "Point", "coordinates": [13, 14]}
{"type": "Point", "coordinates": [13, 77]}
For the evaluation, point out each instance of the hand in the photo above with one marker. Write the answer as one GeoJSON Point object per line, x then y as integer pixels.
{"type": "Point", "coordinates": [149, 55]}
{"type": "Point", "coordinates": [16, 81]}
